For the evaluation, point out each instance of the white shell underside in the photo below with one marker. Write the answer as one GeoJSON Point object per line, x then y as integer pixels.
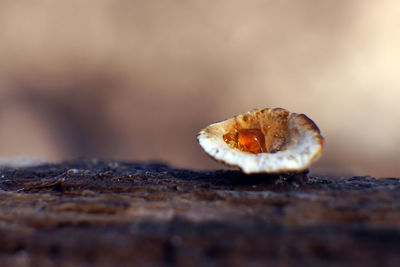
{"type": "Point", "coordinates": [298, 156]}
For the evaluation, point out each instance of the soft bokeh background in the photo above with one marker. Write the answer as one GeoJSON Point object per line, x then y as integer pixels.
{"type": "Point", "coordinates": [136, 80]}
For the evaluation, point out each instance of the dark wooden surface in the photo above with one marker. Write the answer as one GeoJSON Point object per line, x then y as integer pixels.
{"type": "Point", "coordinates": [108, 213]}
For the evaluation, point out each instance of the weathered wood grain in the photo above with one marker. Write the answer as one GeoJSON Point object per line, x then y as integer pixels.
{"type": "Point", "coordinates": [113, 213]}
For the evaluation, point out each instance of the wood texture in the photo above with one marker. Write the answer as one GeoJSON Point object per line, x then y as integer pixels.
{"type": "Point", "coordinates": [109, 213]}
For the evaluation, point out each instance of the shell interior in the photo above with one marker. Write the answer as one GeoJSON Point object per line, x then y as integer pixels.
{"type": "Point", "coordinates": [264, 141]}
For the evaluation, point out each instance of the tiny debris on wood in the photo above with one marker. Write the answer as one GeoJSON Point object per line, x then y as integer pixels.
{"type": "Point", "coordinates": [111, 213]}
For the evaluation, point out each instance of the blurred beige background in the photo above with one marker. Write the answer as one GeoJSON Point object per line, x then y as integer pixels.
{"type": "Point", "coordinates": [136, 80]}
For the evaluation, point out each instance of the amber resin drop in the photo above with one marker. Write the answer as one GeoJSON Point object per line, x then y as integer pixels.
{"type": "Point", "coordinates": [251, 140]}
{"type": "Point", "coordinates": [231, 139]}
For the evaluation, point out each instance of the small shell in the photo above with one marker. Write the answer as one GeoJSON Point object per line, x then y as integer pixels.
{"type": "Point", "coordinates": [271, 140]}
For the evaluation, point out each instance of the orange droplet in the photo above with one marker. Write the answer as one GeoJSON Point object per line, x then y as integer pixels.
{"type": "Point", "coordinates": [231, 139]}
{"type": "Point", "coordinates": [251, 140]}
